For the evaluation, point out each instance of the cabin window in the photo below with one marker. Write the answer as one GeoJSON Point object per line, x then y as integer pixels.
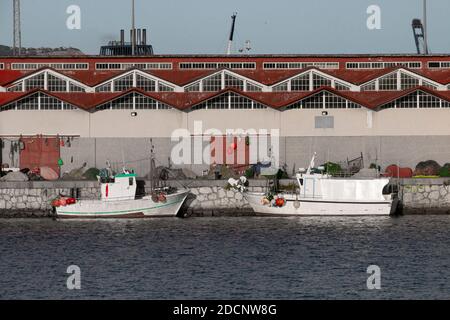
{"type": "Point", "coordinates": [130, 181]}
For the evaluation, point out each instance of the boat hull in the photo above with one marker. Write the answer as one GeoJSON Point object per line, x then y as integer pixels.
{"type": "Point", "coordinates": [136, 208]}
{"type": "Point", "coordinates": [320, 207]}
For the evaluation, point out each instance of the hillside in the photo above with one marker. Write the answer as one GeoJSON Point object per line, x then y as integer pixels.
{"type": "Point", "coordinates": [61, 51]}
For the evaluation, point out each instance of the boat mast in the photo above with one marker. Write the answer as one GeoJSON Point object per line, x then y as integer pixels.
{"type": "Point", "coordinates": [152, 164]}
{"type": "Point", "coordinates": [230, 39]}
{"type": "Point", "coordinates": [311, 164]}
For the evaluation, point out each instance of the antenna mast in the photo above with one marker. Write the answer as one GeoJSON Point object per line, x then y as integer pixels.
{"type": "Point", "coordinates": [17, 41]}
{"type": "Point", "coordinates": [230, 40]}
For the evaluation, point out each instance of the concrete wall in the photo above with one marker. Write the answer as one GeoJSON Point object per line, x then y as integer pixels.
{"type": "Point", "coordinates": [296, 152]}
{"type": "Point", "coordinates": [161, 123]}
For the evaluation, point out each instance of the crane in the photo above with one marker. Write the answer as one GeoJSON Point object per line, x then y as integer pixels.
{"type": "Point", "coordinates": [420, 31]}
{"type": "Point", "coordinates": [230, 39]}
{"type": "Point", "coordinates": [17, 39]}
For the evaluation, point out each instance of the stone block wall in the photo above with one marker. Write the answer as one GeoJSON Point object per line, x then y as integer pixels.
{"type": "Point", "coordinates": [421, 196]}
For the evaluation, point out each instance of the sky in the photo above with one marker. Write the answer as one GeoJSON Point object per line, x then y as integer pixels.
{"type": "Point", "coordinates": [202, 26]}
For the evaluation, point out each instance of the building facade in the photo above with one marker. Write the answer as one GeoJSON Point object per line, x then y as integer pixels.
{"type": "Point", "coordinates": [392, 108]}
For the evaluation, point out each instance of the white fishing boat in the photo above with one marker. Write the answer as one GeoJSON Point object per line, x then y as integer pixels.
{"type": "Point", "coordinates": [321, 194]}
{"type": "Point", "coordinates": [118, 200]}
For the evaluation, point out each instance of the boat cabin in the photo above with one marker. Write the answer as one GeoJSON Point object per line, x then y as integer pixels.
{"type": "Point", "coordinates": [121, 187]}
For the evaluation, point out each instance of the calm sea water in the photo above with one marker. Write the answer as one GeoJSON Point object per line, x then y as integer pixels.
{"type": "Point", "coordinates": [227, 258]}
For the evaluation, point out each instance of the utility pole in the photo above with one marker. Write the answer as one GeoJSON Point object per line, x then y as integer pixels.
{"type": "Point", "coordinates": [17, 40]}
{"type": "Point", "coordinates": [133, 30]}
{"type": "Point", "coordinates": [425, 37]}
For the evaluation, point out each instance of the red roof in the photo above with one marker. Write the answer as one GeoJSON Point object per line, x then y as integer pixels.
{"type": "Point", "coordinates": [186, 100]}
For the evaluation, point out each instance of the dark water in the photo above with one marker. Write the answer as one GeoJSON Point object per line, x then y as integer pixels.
{"type": "Point", "coordinates": [227, 258]}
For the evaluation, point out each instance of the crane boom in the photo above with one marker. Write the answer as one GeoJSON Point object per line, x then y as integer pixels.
{"type": "Point", "coordinates": [230, 39]}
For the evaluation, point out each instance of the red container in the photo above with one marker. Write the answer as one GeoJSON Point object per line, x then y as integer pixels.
{"type": "Point", "coordinates": [394, 171]}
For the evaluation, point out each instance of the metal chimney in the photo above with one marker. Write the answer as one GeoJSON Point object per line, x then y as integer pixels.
{"type": "Point", "coordinates": [138, 36]}
{"type": "Point", "coordinates": [122, 37]}
{"type": "Point", "coordinates": [144, 37]}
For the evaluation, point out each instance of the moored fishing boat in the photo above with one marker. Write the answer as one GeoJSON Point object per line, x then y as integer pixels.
{"type": "Point", "coordinates": [118, 200]}
{"type": "Point", "coordinates": [322, 194]}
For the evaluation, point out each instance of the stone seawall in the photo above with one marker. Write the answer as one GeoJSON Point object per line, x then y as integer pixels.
{"type": "Point", "coordinates": [425, 196]}
{"type": "Point", "coordinates": [207, 198]}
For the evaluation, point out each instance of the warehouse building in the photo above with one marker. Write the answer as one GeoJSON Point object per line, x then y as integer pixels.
{"type": "Point", "coordinates": [392, 108]}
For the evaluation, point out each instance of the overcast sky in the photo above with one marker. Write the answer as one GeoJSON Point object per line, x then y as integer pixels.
{"type": "Point", "coordinates": [202, 26]}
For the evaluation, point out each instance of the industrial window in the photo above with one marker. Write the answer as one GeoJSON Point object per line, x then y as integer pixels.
{"type": "Point", "coordinates": [16, 88]}
{"type": "Point", "coordinates": [300, 65]}
{"type": "Point", "coordinates": [233, 82]}
{"type": "Point", "coordinates": [123, 103]}
{"type": "Point", "coordinates": [124, 66]}
{"type": "Point", "coordinates": [50, 103]}
{"type": "Point", "coordinates": [371, 86]}
{"type": "Point", "coordinates": [281, 87]}
{"type": "Point", "coordinates": [439, 64]}
{"type": "Point", "coordinates": [29, 103]}
{"type": "Point", "coordinates": [314, 102]}
{"type": "Point", "coordinates": [340, 86]}
{"type": "Point", "coordinates": [300, 83]}
{"type": "Point", "coordinates": [75, 88]}
{"type": "Point", "coordinates": [11, 106]}
{"type": "Point", "coordinates": [427, 84]}
{"type": "Point", "coordinates": [334, 102]}
{"type": "Point", "coordinates": [352, 105]}
{"type": "Point", "coordinates": [145, 83]}
{"type": "Point", "coordinates": [220, 102]}
{"type": "Point", "coordinates": [383, 65]}
{"type": "Point", "coordinates": [195, 87]}
{"type": "Point", "coordinates": [251, 87]}
{"type": "Point", "coordinates": [35, 82]}
{"type": "Point", "coordinates": [105, 106]}
{"type": "Point", "coordinates": [217, 65]}
{"type": "Point", "coordinates": [123, 83]}
{"type": "Point", "coordinates": [56, 66]}
{"type": "Point", "coordinates": [319, 81]}
{"type": "Point", "coordinates": [56, 84]}
{"type": "Point", "coordinates": [68, 106]}
{"type": "Point", "coordinates": [297, 105]}
{"type": "Point", "coordinates": [428, 101]}
{"type": "Point", "coordinates": [409, 101]}
{"type": "Point", "coordinates": [407, 81]}
{"type": "Point", "coordinates": [142, 102]}
{"type": "Point", "coordinates": [213, 83]}
{"type": "Point", "coordinates": [164, 88]}
{"type": "Point", "coordinates": [104, 87]}
{"type": "Point", "coordinates": [230, 101]}
{"type": "Point", "coordinates": [240, 102]}
{"type": "Point", "coordinates": [388, 83]}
